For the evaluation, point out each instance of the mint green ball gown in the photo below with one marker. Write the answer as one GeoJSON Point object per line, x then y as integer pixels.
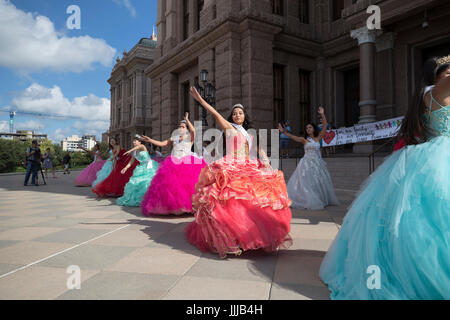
{"type": "Point", "coordinates": [139, 181]}
{"type": "Point", "coordinates": [394, 242]}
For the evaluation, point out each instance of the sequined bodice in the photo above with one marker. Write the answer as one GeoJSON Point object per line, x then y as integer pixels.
{"type": "Point", "coordinates": [110, 155]}
{"type": "Point", "coordinates": [181, 148]}
{"type": "Point", "coordinates": [143, 157]}
{"type": "Point", "coordinates": [237, 147]}
{"type": "Point", "coordinates": [312, 149]}
{"type": "Point", "coordinates": [439, 121]}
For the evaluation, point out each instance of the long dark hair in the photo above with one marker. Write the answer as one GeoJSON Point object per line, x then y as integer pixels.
{"type": "Point", "coordinates": [316, 130]}
{"type": "Point", "coordinates": [414, 129]}
{"type": "Point", "coordinates": [247, 123]}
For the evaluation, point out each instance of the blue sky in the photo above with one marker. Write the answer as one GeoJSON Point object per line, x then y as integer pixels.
{"type": "Point", "coordinates": [45, 67]}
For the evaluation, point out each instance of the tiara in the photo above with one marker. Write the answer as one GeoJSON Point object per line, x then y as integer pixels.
{"type": "Point", "coordinates": [183, 121]}
{"type": "Point", "coordinates": [238, 105]}
{"type": "Point", "coordinates": [443, 60]}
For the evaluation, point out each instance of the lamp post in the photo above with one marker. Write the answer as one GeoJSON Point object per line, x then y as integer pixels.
{"type": "Point", "coordinates": [207, 92]}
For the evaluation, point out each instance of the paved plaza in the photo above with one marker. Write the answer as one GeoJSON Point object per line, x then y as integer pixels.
{"type": "Point", "coordinates": [125, 255]}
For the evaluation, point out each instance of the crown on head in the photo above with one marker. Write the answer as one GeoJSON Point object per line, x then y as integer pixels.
{"type": "Point", "coordinates": [443, 60]}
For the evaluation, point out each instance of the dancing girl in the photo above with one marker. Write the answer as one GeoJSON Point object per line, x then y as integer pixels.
{"type": "Point", "coordinates": [114, 184]}
{"type": "Point", "coordinates": [174, 184]}
{"type": "Point", "coordinates": [89, 174]}
{"type": "Point", "coordinates": [400, 222]}
{"type": "Point", "coordinates": [142, 175]}
{"type": "Point", "coordinates": [240, 203]}
{"type": "Point", "coordinates": [107, 167]}
{"type": "Point", "coordinates": [310, 186]}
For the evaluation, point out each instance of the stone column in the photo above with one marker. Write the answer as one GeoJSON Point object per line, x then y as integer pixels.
{"type": "Point", "coordinates": [161, 27]}
{"type": "Point", "coordinates": [169, 104]}
{"type": "Point", "coordinates": [111, 108]}
{"type": "Point", "coordinates": [171, 37]}
{"type": "Point", "coordinates": [156, 114]}
{"type": "Point", "coordinates": [139, 74]}
{"type": "Point", "coordinates": [367, 82]}
{"type": "Point", "coordinates": [207, 61]}
{"type": "Point", "coordinates": [257, 72]}
{"type": "Point", "coordinates": [366, 41]}
{"type": "Point", "coordinates": [386, 71]}
{"type": "Point", "coordinates": [209, 11]}
{"type": "Point", "coordinates": [228, 71]}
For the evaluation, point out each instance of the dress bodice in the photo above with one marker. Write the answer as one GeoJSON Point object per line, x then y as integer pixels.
{"type": "Point", "coordinates": [143, 157]}
{"type": "Point", "coordinates": [98, 156]}
{"type": "Point", "coordinates": [110, 155]}
{"type": "Point", "coordinates": [439, 122]}
{"type": "Point", "coordinates": [312, 149]}
{"type": "Point", "coordinates": [181, 148]}
{"type": "Point", "coordinates": [237, 146]}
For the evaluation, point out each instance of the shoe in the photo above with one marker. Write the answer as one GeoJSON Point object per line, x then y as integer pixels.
{"type": "Point", "coordinates": [25, 185]}
{"type": "Point", "coordinates": [36, 185]}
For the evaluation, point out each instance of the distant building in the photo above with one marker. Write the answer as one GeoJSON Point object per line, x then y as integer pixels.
{"type": "Point", "coordinates": [75, 143]}
{"type": "Point", "coordinates": [131, 96]}
{"type": "Point", "coordinates": [23, 135]}
{"type": "Point", "coordinates": [88, 141]}
{"type": "Point", "coordinates": [105, 137]}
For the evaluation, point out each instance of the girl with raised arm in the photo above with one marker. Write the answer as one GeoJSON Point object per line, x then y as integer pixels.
{"type": "Point", "coordinates": [240, 203]}
{"type": "Point", "coordinates": [310, 186]}
{"type": "Point", "coordinates": [174, 183]}
{"type": "Point", "coordinates": [394, 242]}
{"type": "Point", "coordinates": [142, 175]}
{"type": "Point", "coordinates": [89, 174]}
{"type": "Point", "coordinates": [114, 184]}
{"type": "Point", "coordinates": [107, 167]}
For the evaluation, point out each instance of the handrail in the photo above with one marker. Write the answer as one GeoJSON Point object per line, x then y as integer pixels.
{"type": "Point", "coordinates": [372, 155]}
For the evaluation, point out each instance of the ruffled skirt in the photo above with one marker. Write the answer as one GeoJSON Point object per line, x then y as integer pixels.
{"type": "Point", "coordinates": [394, 242]}
{"type": "Point", "coordinates": [239, 206]}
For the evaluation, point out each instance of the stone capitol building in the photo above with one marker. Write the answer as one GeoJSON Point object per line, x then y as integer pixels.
{"type": "Point", "coordinates": [281, 59]}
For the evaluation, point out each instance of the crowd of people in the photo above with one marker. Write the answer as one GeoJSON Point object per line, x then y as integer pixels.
{"type": "Point", "coordinates": [399, 221]}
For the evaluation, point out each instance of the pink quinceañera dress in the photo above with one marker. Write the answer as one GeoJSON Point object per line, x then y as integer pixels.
{"type": "Point", "coordinates": [173, 185]}
{"type": "Point", "coordinates": [240, 205]}
{"type": "Point", "coordinates": [89, 174]}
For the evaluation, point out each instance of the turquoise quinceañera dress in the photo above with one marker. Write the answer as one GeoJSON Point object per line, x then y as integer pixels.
{"type": "Point", "coordinates": [104, 172]}
{"type": "Point", "coordinates": [394, 242]}
{"type": "Point", "coordinates": [139, 181]}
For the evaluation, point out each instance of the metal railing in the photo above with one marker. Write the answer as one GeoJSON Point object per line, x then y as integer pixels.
{"type": "Point", "coordinates": [372, 155]}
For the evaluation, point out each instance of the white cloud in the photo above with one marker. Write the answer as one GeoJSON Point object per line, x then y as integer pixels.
{"type": "Point", "coordinates": [37, 98]}
{"type": "Point", "coordinates": [127, 4]}
{"type": "Point", "coordinates": [59, 135]}
{"type": "Point", "coordinates": [30, 43]}
{"type": "Point", "coordinates": [91, 127]}
{"type": "Point", "coordinates": [33, 125]}
{"type": "Point", "coordinates": [4, 126]}
{"type": "Point", "coordinates": [29, 125]}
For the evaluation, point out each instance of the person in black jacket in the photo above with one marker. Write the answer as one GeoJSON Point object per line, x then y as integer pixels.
{"type": "Point", "coordinates": [33, 163]}
{"type": "Point", "coordinates": [66, 162]}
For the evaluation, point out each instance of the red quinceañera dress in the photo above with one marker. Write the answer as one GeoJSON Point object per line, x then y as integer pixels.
{"type": "Point", "coordinates": [240, 205]}
{"type": "Point", "coordinates": [114, 184]}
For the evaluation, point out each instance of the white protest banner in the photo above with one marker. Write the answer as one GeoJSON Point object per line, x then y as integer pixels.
{"type": "Point", "coordinates": [364, 132]}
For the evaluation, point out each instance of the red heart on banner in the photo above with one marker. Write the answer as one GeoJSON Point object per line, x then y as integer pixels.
{"type": "Point", "coordinates": [329, 136]}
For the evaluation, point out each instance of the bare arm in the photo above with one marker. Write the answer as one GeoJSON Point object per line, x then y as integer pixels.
{"type": "Point", "coordinates": [164, 143]}
{"type": "Point", "coordinates": [190, 126]}
{"type": "Point", "coordinates": [223, 123]}
{"type": "Point", "coordinates": [291, 136]}
{"type": "Point", "coordinates": [324, 124]}
{"type": "Point", "coordinates": [133, 149]}
{"type": "Point", "coordinates": [441, 93]}
{"type": "Point", "coordinates": [263, 156]}
{"type": "Point", "coordinates": [130, 163]}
